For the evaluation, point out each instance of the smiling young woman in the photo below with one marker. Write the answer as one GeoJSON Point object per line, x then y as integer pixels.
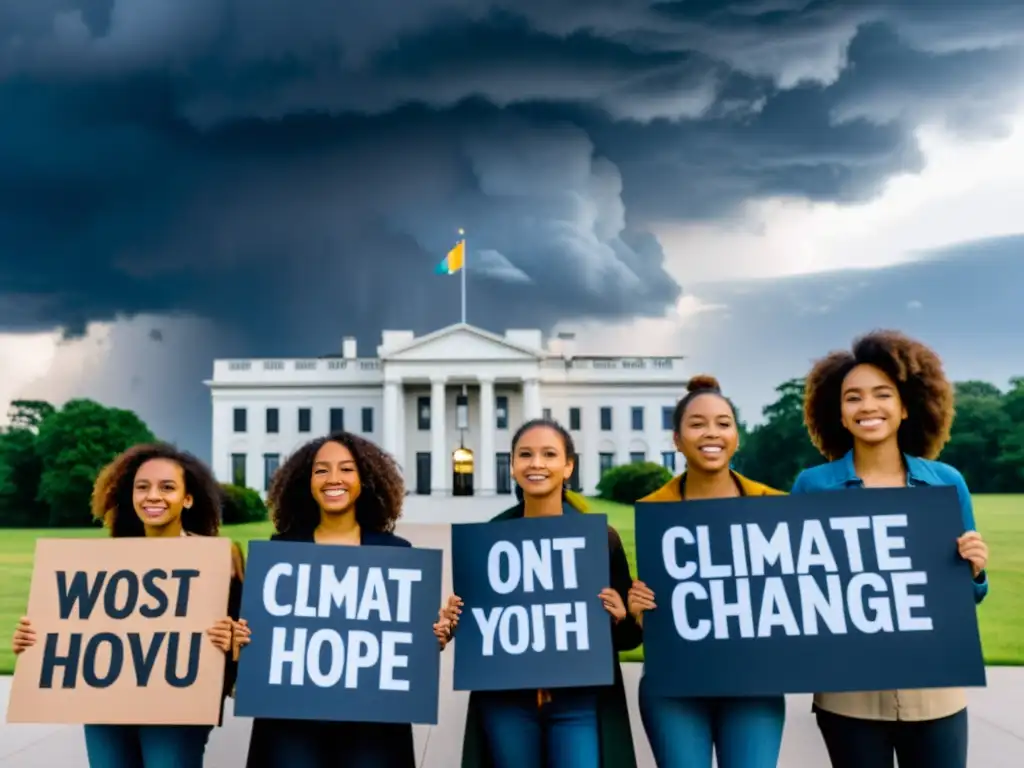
{"type": "Point", "coordinates": [337, 490]}
{"type": "Point", "coordinates": [880, 414]}
{"type": "Point", "coordinates": [157, 491]}
{"type": "Point", "coordinates": [569, 727]}
{"type": "Point", "coordinates": [743, 732]}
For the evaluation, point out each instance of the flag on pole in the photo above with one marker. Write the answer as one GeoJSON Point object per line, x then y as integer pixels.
{"type": "Point", "coordinates": [454, 261]}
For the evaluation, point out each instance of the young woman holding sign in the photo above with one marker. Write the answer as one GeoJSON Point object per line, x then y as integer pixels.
{"type": "Point", "coordinates": [338, 490]}
{"type": "Point", "coordinates": [156, 491]}
{"type": "Point", "coordinates": [683, 732]}
{"type": "Point", "coordinates": [567, 727]}
{"type": "Point", "coordinates": [880, 414]}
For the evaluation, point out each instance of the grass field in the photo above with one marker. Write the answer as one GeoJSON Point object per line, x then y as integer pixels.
{"type": "Point", "coordinates": [1000, 519]}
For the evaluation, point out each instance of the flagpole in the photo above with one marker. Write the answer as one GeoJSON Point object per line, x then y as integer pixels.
{"type": "Point", "coordinates": [465, 263]}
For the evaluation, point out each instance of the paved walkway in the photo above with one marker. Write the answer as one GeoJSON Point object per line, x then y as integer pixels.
{"type": "Point", "coordinates": [997, 719]}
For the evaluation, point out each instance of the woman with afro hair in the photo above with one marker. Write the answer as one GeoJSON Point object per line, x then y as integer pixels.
{"type": "Point", "coordinates": [156, 490]}
{"type": "Point", "coordinates": [684, 732]}
{"type": "Point", "coordinates": [339, 490]}
{"type": "Point", "coordinates": [881, 413]}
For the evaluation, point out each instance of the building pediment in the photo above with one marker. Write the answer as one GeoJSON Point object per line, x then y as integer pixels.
{"type": "Point", "coordinates": [461, 342]}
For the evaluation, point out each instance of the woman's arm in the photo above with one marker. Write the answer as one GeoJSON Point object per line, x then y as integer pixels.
{"type": "Point", "coordinates": [234, 609]}
{"type": "Point", "coordinates": [967, 515]}
{"type": "Point", "coordinates": [626, 633]}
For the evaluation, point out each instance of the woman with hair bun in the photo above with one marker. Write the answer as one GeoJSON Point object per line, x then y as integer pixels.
{"type": "Point", "coordinates": [585, 727]}
{"type": "Point", "coordinates": [684, 732]}
{"type": "Point", "coordinates": [881, 413]}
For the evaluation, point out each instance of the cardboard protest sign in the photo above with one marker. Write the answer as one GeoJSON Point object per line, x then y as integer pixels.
{"type": "Point", "coordinates": [531, 616]}
{"type": "Point", "coordinates": [821, 592]}
{"type": "Point", "coordinates": [340, 633]}
{"type": "Point", "coordinates": [121, 632]}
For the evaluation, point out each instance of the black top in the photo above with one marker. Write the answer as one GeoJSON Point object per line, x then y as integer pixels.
{"type": "Point", "coordinates": [275, 743]}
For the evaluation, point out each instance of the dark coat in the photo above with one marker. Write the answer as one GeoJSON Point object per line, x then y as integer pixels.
{"type": "Point", "coordinates": [394, 740]}
{"type": "Point", "coordinates": [613, 713]}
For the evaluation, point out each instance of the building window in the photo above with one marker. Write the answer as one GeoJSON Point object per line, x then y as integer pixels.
{"type": "Point", "coordinates": [238, 469]}
{"type": "Point", "coordinates": [337, 419]}
{"type": "Point", "coordinates": [668, 460]}
{"type": "Point", "coordinates": [545, 413]}
{"type": "Point", "coordinates": [305, 420]}
{"type": "Point", "coordinates": [367, 420]}
{"type": "Point", "coordinates": [423, 413]}
{"type": "Point", "coordinates": [271, 461]}
{"type": "Point", "coordinates": [273, 421]}
{"type": "Point", "coordinates": [666, 418]}
{"type": "Point", "coordinates": [637, 416]}
{"type": "Point", "coordinates": [240, 420]}
{"type": "Point", "coordinates": [605, 461]}
{"type": "Point", "coordinates": [501, 411]}
{"type": "Point", "coordinates": [503, 470]}
{"type": "Point", "coordinates": [606, 419]}
{"type": "Point", "coordinates": [637, 457]}
{"type": "Point", "coordinates": [574, 419]}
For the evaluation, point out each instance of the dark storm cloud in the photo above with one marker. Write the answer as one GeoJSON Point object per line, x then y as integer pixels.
{"type": "Point", "coordinates": [298, 169]}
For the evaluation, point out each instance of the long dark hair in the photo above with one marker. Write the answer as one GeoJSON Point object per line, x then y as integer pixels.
{"type": "Point", "coordinates": [573, 498]}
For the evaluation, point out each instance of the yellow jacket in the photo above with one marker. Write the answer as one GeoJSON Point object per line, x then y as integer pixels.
{"type": "Point", "coordinates": [673, 489]}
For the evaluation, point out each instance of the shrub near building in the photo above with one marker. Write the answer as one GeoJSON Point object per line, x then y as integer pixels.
{"type": "Point", "coordinates": [241, 505]}
{"type": "Point", "coordinates": [629, 482]}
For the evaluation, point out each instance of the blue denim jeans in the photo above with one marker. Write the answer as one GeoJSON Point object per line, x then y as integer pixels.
{"type": "Point", "coordinates": [561, 733]}
{"type": "Point", "coordinates": [146, 746]}
{"type": "Point", "coordinates": [853, 742]}
{"type": "Point", "coordinates": [742, 732]}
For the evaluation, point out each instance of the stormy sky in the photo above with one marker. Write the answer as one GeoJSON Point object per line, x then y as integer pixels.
{"type": "Point", "coordinates": [185, 179]}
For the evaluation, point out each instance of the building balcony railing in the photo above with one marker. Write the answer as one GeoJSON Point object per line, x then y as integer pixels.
{"type": "Point", "coordinates": [368, 371]}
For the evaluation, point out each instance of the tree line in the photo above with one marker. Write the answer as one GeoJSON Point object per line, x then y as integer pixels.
{"type": "Point", "coordinates": [986, 443]}
{"type": "Point", "coordinates": [50, 457]}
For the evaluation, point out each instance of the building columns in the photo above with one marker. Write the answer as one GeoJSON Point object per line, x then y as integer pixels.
{"type": "Point", "coordinates": [440, 461]}
{"type": "Point", "coordinates": [531, 399]}
{"type": "Point", "coordinates": [487, 477]}
{"type": "Point", "coordinates": [391, 417]}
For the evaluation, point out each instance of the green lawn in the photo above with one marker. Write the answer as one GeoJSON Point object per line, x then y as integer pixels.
{"type": "Point", "coordinates": [1000, 519]}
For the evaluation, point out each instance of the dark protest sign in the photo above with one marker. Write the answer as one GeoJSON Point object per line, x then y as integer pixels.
{"type": "Point", "coordinates": [531, 616]}
{"type": "Point", "coordinates": [821, 592]}
{"type": "Point", "coordinates": [121, 632]}
{"type": "Point", "coordinates": [340, 633]}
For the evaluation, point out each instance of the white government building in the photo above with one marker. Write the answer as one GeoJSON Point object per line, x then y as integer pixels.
{"type": "Point", "coordinates": [446, 406]}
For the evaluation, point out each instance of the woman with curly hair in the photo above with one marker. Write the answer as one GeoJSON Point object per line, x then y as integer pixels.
{"type": "Point", "coordinates": [337, 490]}
{"type": "Point", "coordinates": [155, 490]}
{"type": "Point", "coordinates": [881, 414]}
{"type": "Point", "coordinates": [684, 732]}
{"type": "Point", "coordinates": [586, 727]}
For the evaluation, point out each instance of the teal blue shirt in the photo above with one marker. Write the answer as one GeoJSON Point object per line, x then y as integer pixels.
{"type": "Point", "coordinates": [840, 475]}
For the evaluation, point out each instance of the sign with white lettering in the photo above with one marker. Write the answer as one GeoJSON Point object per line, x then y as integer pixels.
{"type": "Point", "coordinates": [531, 615]}
{"type": "Point", "coordinates": [833, 591]}
{"type": "Point", "coordinates": [340, 633]}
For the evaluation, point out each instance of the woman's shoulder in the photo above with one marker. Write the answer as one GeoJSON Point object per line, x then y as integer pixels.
{"type": "Point", "coordinates": [936, 472]}
{"type": "Point", "coordinates": [384, 539]}
{"type": "Point", "coordinates": [755, 488]}
{"type": "Point", "coordinates": [821, 476]}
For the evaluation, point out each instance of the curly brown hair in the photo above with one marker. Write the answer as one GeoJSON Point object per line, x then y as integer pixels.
{"type": "Point", "coordinates": [920, 380]}
{"type": "Point", "coordinates": [112, 493]}
{"type": "Point", "coordinates": [293, 508]}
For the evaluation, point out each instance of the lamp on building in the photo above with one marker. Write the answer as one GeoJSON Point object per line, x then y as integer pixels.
{"type": "Point", "coordinates": [462, 411]}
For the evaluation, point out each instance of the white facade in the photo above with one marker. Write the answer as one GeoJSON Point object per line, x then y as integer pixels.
{"type": "Point", "coordinates": [407, 400]}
